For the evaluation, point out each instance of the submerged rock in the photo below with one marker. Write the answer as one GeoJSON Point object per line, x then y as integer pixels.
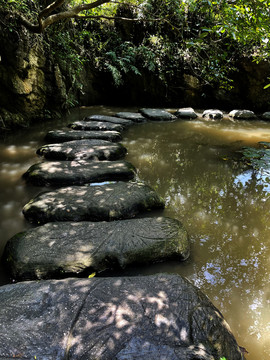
{"type": "Point", "coordinates": [136, 117]}
{"type": "Point", "coordinates": [107, 202]}
{"type": "Point", "coordinates": [242, 114]}
{"type": "Point", "coordinates": [65, 248]}
{"type": "Point", "coordinates": [89, 149]}
{"type": "Point", "coordinates": [145, 317]}
{"type": "Point", "coordinates": [95, 125]}
{"type": "Point", "coordinates": [78, 172]}
{"type": "Point", "coordinates": [157, 114]}
{"type": "Point", "coordinates": [58, 136]}
{"type": "Point", "coordinates": [186, 113]}
{"type": "Point", "coordinates": [213, 114]}
{"type": "Point", "coordinates": [110, 119]}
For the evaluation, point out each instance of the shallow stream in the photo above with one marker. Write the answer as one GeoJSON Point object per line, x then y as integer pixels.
{"type": "Point", "coordinates": [225, 208]}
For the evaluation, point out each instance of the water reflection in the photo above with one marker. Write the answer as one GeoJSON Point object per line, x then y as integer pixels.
{"type": "Point", "coordinates": [225, 209]}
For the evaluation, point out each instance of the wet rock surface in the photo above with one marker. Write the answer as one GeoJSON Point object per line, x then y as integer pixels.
{"type": "Point", "coordinates": [96, 126]}
{"type": "Point", "coordinates": [66, 248]}
{"type": "Point", "coordinates": [110, 119]}
{"type": "Point", "coordinates": [136, 117]}
{"type": "Point", "coordinates": [150, 317]}
{"type": "Point", "coordinates": [213, 114]}
{"type": "Point", "coordinates": [58, 136]}
{"type": "Point", "coordinates": [186, 113]}
{"type": "Point", "coordinates": [242, 114]}
{"type": "Point", "coordinates": [91, 149]}
{"type": "Point", "coordinates": [97, 203]}
{"type": "Point", "coordinates": [157, 114]}
{"type": "Point", "coordinates": [78, 172]}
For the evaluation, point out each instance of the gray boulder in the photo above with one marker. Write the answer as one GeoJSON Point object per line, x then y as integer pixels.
{"type": "Point", "coordinates": [78, 172]}
{"type": "Point", "coordinates": [136, 117]}
{"type": "Point", "coordinates": [89, 149]}
{"type": "Point", "coordinates": [65, 248]}
{"type": "Point", "coordinates": [186, 113]}
{"type": "Point", "coordinates": [213, 114]}
{"type": "Point", "coordinates": [157, 114]}
{"type": "Point", "coordinates": [242, 114]}
{"type": "Point", "coordinates": [96, 203]}
{"type": "Point", "coordinates": [146, 317]}
{"type": "Point", "coordinates": [110, 119]}
{"type": "Point", "coordinates": [266, 115]}
{"type": "Point", "coordinates": [59, 136]}
{"type": "Point", "coordinates": [95, 126]}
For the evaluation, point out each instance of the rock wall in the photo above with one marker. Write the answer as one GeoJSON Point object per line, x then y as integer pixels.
{"type": "Point", "coordinates": [34, 84]}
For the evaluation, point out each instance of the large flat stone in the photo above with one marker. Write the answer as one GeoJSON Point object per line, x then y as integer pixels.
{"type": "Point", "coordinates": [59, 136]}
{"type": "Point", "coordinates": [157, 114]}
{"type": "Point", "coordinates": [110, 119]}
{"type": "Point", "coordinates": [107, 202]}
{"type": "Point", "coordinates": [135, 117]}
{"type": "Point", "coordinates": [83, 150]}
{"type": "Point", "coordinates": [152, 317]}
{"type": "Point", "coordinates": [96, 125]}
{"type": "Point", "coordinates": [64, 248]}
{"type": "Point", "coordinates": [78, 172]}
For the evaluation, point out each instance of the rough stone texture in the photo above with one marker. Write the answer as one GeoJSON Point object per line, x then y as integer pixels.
{"type": "Point", "coordinates": [95, 125]}
{"type": "Point", "coordinates": [107, 202]}
{"type": "Point", "coordinates": [78, 172]}
{"type": "Point", "coordinates": [266, 115]}
{"type": "Point", "coordinates": [59, 136]}
{"type": "Point", "coordinates": [157, 114]}
{"type": "Point", "coordinates": [242, 114]}
{"type": "Point", "coordinates": [83, 150]}
{"type": "Point", "coordinates": [186, 113]}
{"type": "Point", "coordinates": [151, 317]}
{"type": "Point", "coordinates": [136, 117]}
{"type": "Point", "coordinates": [66, 248]}
{"type": "Point", "coordinates": [213, 114]}
{"type": "Point", "coordinates": [110, 119]}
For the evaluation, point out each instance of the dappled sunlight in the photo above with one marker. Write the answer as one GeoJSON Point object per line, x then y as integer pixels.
{"type": "Point", "coordinates": [78, 172]}
{"type": "Point", "coordinates": [95, 317]}
{"type": "Point", "coordinates": [83, 149]}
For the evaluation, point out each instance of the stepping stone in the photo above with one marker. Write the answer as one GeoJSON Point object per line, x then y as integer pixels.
{"type": "Point", "coordinates": [110, 119]}
{"type": "Point", "coordinates": [186, 113]}
{"type": "Point", "coordinates": [83, 150]}
{"type": "Point", "coordinates": [95, 125]}
{"type": "Point", "coordinates": [157, 114]}
{"type": "Point", "coordinates": [266, 115]}
{"type": "Point", "coordinates": [59, 136]}
{"type": "Point", "coordinates": [213, 114]}
{"type": "Point", "coordinates": [78, 172]}
{"type": "Point", "coordinates": [66, 248]}
{"type": "Point", "coordinates": [242, 114]}
{"type": "Point", "coordinates": [136, 117]}
{"type": "Point", "coordinates": [123, 318]}
{"type": "Point", "coordinates": [95, 203]}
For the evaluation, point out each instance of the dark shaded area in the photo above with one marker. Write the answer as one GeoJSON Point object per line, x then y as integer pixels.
{"type": "Point", "coordinates": [152, 317]}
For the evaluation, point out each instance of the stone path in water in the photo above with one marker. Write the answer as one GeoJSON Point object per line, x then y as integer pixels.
{"type": "Point", "coordinates": [150, 317]}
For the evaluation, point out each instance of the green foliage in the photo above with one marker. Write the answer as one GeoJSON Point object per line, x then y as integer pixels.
{"type": "Point", "coordinates": [202, 37]}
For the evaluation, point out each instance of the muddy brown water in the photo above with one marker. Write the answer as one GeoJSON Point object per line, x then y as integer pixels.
{"type": "Point", "coordinates": [224, 208]}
